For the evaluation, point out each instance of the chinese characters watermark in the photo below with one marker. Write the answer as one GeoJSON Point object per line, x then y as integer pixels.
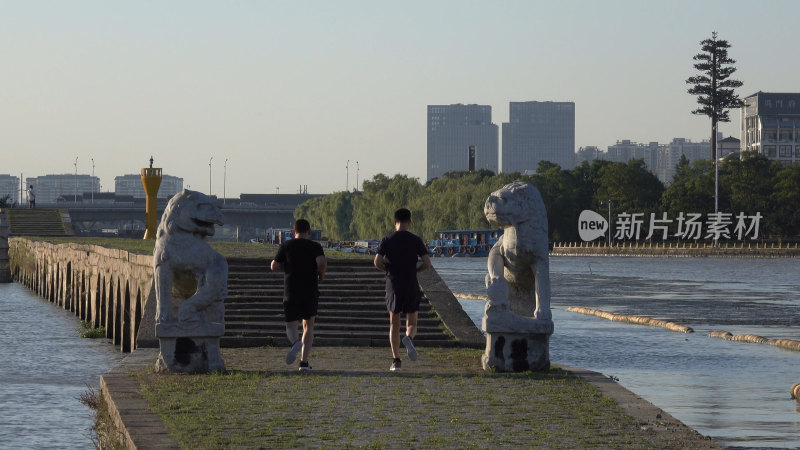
{"type": "Point", "coordinates": [691, 226]}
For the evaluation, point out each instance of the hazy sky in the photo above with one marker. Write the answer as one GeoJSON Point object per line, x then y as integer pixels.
{"type": "Point", "coordinates": [289, 91]}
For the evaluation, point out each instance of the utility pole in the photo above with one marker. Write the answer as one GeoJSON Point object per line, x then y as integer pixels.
{"type": "Point", "coordinates": [224, 179]}
{"type": "Point", "coordinates": [93, 181]}
{"type": "Point", "coordinates": [209, 176]}
{"type": "Point", "coordinates": [76, 181]}
{"type": "Point", "coordinates": [358, 168]}
{"type": "Point", "coordinates": [347, 183]}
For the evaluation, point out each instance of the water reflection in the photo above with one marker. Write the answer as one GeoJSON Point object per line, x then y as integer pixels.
{"type": "Point", "coordinates": [46, 366]}
{"type": "Point", "coordinates": [734, 392]}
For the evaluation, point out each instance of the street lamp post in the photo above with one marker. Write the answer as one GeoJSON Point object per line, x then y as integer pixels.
{"type": "Point", "coordinates": [224, 179]}
{"type": "Point", "coordinates": [347, 182]}
{"type": "Point", "coordinates": [76, 181]}
{"type": "Point", "coordinates": [93, 181]}
{"type": "Point", "coordinates": [358, 168]}
{"type": "Point", "coordinates": [209, 176]}
{"type": "Point", "coordinates": [610, 229]}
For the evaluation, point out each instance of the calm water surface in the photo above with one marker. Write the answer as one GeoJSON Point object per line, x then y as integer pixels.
{"type": "Point", "coordinates": [734, 392]}
{"type": "Point", "coordinates": [45, 367]}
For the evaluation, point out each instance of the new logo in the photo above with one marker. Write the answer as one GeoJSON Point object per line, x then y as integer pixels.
{"type": "Point", "coordinates": [591, 225]}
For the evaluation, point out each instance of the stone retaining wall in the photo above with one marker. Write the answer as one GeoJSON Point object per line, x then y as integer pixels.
{"type": "Point", "coordinates": [108, 287]}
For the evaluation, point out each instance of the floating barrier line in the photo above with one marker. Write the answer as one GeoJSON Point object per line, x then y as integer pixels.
{"type": "Point", "coordinates": [636, 320]}
{"type": "Point", "coordinates": [788, 344]}
{"type": "Point", "coordinates": [470, 296]}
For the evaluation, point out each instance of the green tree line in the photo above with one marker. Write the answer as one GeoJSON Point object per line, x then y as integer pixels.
{"type": "Point", "coordinates": [455, 201]}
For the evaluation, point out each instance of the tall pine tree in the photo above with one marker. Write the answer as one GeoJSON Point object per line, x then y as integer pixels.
{"type": "Point", "coordinates": [714, 87]}
{"type": "Point", "coordinates": [714, 91]}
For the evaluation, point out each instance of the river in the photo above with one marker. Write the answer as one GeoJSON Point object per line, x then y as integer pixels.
{"type": "Point", "coordinates": [45, 367]}
{"type": "Point", "coordinates": [736, 393]}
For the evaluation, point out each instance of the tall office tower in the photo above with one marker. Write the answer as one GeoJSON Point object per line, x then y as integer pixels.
{"type": "Point", "coordinates": [132, 185]}
{"type": "Point", "coordinates": [538, 131]}
{"type": "Point", "coordinates": [771, 126]}
{"type": "Point", "coordinates": [461, 137]}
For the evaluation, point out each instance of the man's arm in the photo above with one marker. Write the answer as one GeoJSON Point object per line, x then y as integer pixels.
{"type": "Point", "coordinates": [275, 266]}
{"type": "Point", "coordinates": [379, 262]}
{"type": "Point", "coordinates": [426, 263]}
{"type": "Point", "coordinates": [322, 267]}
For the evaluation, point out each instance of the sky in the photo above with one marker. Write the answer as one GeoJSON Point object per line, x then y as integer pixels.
{"type": "Point", "coordinates": [268, 96]}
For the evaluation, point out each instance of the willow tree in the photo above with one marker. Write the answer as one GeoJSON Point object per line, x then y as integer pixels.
{"type": "Point", "coordinates": [714, 90]}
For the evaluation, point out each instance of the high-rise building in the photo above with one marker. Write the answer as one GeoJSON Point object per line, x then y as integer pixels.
{"type": "Point", "coordinates": [461, 137]}
{"type": "Point", "coordinates": [9, 186]}
{"type": "Point", "coordinates": [62, 188]}
{"type": "Point", "coordinates": [625, 150]}
{"type": "Point", "coordinates": [538, 131]}
{"type": "Point", "coordinates": [132, 185]}
{"type": "Point", "coordinates": [771, 126]}
{"type": "Point", "coordinates": [672, 156]}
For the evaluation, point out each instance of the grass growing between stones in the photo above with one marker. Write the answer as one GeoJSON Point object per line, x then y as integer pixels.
{"type": "Point", "coordinates": [87, 330]}
{"type": "Point", "coordinates": [445, 400]}
{"type": "Point", "coordinates": [227, 249]}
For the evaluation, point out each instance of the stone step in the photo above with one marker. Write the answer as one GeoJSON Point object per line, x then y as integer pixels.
{"type": "Point", "coordinates": [324, 326]}
{"type": "Point", "coordinates": [329, 341]}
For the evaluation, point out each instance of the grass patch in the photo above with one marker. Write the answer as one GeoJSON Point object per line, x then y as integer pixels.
{"type": "Point", "coordinates": [105, 433]}
{"type": "Point", "coordinates": [454, 405]}
{"type": "Point", "coordinates": [87, 330]}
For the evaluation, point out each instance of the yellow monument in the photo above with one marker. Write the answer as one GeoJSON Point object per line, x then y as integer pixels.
{"type": "Point", "coordinates": [151, 179]}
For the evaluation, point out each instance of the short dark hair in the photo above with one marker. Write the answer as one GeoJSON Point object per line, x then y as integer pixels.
{"type": "Point", "coordinates": [402, 215]}
{"type": "Point", "coordinates": [301, 226]}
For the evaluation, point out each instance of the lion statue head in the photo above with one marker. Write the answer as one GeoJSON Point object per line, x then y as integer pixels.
{"type": "Point", "coordinates": [514, 205]}
{"type": "Point", "coordinates": [190, 212]}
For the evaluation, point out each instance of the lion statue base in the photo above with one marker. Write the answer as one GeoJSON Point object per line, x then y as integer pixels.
{"type": "Point", "coordinates": [191, 283]}
{"type": "Point", "coordinates": [517, 319]}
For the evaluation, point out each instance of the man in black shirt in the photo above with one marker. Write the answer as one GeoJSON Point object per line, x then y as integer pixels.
{"type": "Point", "coordinates": [303, 263]}
{"type": "Point", "coordinates": [398, 256]}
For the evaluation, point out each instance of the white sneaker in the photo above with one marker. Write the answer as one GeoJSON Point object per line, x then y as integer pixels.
{"type": "Point", "coordinates": [412, 352]}
{"type": "Point", "coordinates": [292, 355]}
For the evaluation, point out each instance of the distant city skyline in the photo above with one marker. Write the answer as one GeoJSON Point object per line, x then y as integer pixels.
{"type": "Point", "coordinates": [264, 97]}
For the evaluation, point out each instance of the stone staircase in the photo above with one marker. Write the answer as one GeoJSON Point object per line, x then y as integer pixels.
{"type": "Point", "coordinates": [352, 310]}
{"type": "Point", "coordinates": [38, 222]}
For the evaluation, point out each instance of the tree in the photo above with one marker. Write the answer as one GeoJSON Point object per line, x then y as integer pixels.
{"type": "Point", "coordinates": [714, 91]}
{"type": "Point", "coordinates": [714, 87]}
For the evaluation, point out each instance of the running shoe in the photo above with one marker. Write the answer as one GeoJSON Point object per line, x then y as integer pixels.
{"type": "Point", "coordinates": [412, 352]}
{"type": "Point", "coordinates": [292, 355]}
{"type": "Point", "coordinates": [396, 363]}
{"type": "Point", "coordinates": [304, 367]}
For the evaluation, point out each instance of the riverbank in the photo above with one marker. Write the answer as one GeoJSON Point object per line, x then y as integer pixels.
{"type": "Point", "coordinates": [443, 400]}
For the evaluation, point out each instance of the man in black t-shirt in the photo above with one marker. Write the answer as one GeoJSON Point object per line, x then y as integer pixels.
{"type": "Point", "coordinates": [303, 263]}
{"type": "Point", "coordinates": [398, 255]}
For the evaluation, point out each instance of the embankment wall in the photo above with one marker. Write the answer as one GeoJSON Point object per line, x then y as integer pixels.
{"type": "Point", "coordinates": [108, 287]}
{"type": "Point", "coordinates": [687, 250]}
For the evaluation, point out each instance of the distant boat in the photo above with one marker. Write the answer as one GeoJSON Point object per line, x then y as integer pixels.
{"type": "Point", "coordinates": [464, 242]}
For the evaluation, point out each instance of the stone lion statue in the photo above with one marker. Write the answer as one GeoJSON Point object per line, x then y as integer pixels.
{"type": "Point", "coordinates": [191, 278]}
{"type": "Point", "coordinates": [520, 258]}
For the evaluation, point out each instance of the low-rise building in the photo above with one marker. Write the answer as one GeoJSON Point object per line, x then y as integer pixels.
{"type": "Point", "coordinates": [771, 125]}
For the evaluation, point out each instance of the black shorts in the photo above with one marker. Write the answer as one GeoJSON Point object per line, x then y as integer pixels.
{"type": "Point", "coordinates": [407, 302]}
{"type": "Point", "coordinates": [299, 309]}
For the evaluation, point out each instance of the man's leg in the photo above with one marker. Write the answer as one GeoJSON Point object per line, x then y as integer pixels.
{"type": "Point", "coordinates": [411, 324]}
{"type": "Point", "coordinates": [308, 338]}
{"type": "Point", "coordinates": [411, 333]}
{"type": "Point", "coordinates": [394, 334]}
{"type": "Point", "coordinates": [294, 340]}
